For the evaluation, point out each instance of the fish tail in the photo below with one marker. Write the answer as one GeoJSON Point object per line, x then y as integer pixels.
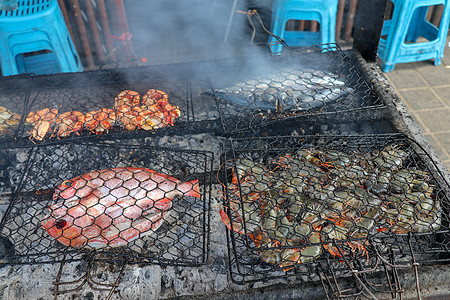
{"type": "Point", "coordinates": [190, 188]}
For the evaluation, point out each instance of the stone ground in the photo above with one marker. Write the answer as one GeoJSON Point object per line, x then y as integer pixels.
{"type": "Point", "coordinates": [425, 91]}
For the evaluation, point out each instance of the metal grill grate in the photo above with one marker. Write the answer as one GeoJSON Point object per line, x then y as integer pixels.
{"type": "Point", "coordinates": [67, 106]}
{"type": "Point", "coordinates": [76, 198]}
{"type": "Point", "coordinates": [313, 82]}
{"type": "Point", "coordinates": [294, 202]}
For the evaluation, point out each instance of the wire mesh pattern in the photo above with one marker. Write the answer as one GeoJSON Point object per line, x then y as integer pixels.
{"type": "Point", "coordinates": [136, 203]}
{"type": "Point", "coordinates": [147, 100]}
{"type": "Point", "coordinates": [309, 82]}
{"type": "Point", "coordinates": [294, 201]}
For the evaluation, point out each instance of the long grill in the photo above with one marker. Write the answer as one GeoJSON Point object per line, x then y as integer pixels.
{"type": "Point", "coordinates": [308, 201]}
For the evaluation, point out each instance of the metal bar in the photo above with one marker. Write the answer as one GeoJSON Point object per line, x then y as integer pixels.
{"type": "Point", "coordinates": [230, 20]}
{"type": "Point", "coordinates": [415, 265]}
{"type": "Point", "coordinates": [339, 18]}
{"type": "Point", "coordinates": [83, 35]}
{"type": "Point", "coordinates": [94, 29]}
{"type": "Point", "coordinates": [366, 35]}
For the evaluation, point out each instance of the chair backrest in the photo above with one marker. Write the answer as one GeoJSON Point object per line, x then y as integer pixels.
{"type": "Point", "coordinates": [27, 8]}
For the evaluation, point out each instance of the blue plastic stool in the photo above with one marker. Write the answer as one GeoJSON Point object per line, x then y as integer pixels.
{"type": "Point", "coordinates": [36, 26]}
{"type": "Point", "coordinates": [407, 24]}
{"type": "Point", "coordinates": [322, 11]}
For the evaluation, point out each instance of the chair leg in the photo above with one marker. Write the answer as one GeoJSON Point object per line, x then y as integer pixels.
{"type": "Point", "coordinates": [387, 67]}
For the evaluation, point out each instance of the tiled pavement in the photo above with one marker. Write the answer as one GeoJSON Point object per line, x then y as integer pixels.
{"type": "Point", "coordinates": [425, 91]}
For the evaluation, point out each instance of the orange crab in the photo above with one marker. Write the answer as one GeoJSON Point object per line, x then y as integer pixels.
{"type": "Point", "coordinates": [41, 121]}
{"type": "Point", "coordinates": [101, 120]}
{"type": "Point", "coordinates": [69, 122]}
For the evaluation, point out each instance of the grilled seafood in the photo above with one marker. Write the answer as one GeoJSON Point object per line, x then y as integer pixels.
{"type": "Point", "coordinates": [336, 199]}
{"type": "Point", "coordinates": [128, 98]}
{"type": "Point", "coordinates": [100, 120]}
{"type": "Point", "coordinates": [154, 97]}
{"type": "Point", "coordinates": [41, 121]}
{"type": "Point", "coordinates": [285, 90]}
{"type": "Point", "coordinates": [69, 122]}
{"type": "Point", "coordinates": [8, 119]}
{"type": "Point", "coordinates": [112, 207]}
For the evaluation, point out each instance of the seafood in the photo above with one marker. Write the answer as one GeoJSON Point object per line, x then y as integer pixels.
{"type": "Point", "coordinates": [295, 204]}
{"type": "Point", "coordinates": [153, 97]}
{"type": "Point", "coordinates": [112, 207]}
{"type": "Point", "coordinates": [7, 120]}
{"type": "Point", "coordinates": [100, 120]}
{"type": "Point", "coordinates": [128, 98]}
{"type": "Point", "coordinates": [41, 121]}
{"type": "Point", "coordinates": [285, 90]}
{"type": "Point", "coordinates": [69, 122]}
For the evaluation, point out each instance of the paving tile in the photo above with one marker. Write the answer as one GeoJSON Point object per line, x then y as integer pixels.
{"type": "Point", "coordinates": [444, 93]}
{"type": "Point", "coordinates": [438, 148]}
{"type": "Point", "coordinates": [406, 78]}
{"type": "Point", "coordinates": [444, 140]}
{"type": "Point", "coordinates": [418, 123]}
{"type": "Point", "coordinates": [435, 120]}
{"type": "Point", "coordinates": [421, 99]}
{"type": "Point", "coordinates": [447, 165]}
{"type": "Point", "coordinates": [435, 75]}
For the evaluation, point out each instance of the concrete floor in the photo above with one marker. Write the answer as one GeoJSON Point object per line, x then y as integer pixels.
{"type": "Point", "coordinates": [425, 91]}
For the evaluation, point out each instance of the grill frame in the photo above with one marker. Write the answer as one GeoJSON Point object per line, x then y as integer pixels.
{"type": "Point", "coordinates": [426, 248]}
{"type": "Point", "coordinates": [26, 245]}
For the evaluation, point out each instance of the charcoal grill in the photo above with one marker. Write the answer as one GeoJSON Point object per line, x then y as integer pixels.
{"type": "Point", "coordinates": [182, 239]}
{"type": "Point", "coordinates": [256, 196]}
{"type": "Point", "coordinates": [30, 172]}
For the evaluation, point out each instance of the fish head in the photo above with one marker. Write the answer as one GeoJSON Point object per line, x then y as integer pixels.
{"type": "Point", "coordinates": [70, 228]}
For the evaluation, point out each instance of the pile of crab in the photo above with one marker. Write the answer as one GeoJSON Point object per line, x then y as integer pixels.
{"type": "Point", "coordinates": [295, 206]}
{"type": "Point", "coordinates": [130, 112]}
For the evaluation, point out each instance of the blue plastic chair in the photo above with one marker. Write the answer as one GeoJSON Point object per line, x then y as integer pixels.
{"type": "Point", "coordinates": [36, 27]}
{"type": "Point", "coordinates": [407, 24]}
{"type": "Point", "coordinates": [322, 11]}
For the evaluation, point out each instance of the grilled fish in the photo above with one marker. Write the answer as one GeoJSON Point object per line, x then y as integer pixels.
{"type": "Point", "coordinates": [112, 207]}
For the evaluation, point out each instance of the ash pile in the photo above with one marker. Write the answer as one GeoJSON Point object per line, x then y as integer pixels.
{"type": "Point", "coordinates": [218, 179]}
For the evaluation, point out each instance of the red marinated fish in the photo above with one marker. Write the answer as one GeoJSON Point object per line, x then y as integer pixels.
{"type": "Point", "coordinates": [112, 207]}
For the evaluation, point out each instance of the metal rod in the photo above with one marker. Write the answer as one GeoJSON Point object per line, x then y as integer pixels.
{"type": "Point", "coordinates": [83, 35]}
{"type": "Point", "coordinates": [92, 21]}
{"type": "Point", "coordinates": [230, 20]}
{"type": "Point", "coordinates": [355, 273]}
{"type": "Point", "coordinates": [415, 265]}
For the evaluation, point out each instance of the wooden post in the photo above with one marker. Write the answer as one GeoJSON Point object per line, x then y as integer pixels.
{"type": "Point", "coordinates": [83, 35]}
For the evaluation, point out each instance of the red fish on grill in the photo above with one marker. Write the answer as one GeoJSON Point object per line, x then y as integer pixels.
{"type": "Point", "coordinates": [112, 207]}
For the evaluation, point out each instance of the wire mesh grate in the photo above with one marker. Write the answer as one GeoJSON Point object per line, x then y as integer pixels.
{"type": "Point", "coordinates": [309, 82]}
{"type": "Point", "coordinates": [126, 102]}
{"type": "Point", "coordinates": [291, 202]}
{"type": "Point", "coordinates": [77, 198]}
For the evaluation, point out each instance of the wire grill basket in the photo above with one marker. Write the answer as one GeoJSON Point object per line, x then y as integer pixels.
{"type": "Point", "coordinates": [311, 82]}
{"type": "Point", "coordinates": [292, 203]}
{"type": "Point", "coordinates": [77, 198]}
{"type": "Point", "coordinates": [126, 102]}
